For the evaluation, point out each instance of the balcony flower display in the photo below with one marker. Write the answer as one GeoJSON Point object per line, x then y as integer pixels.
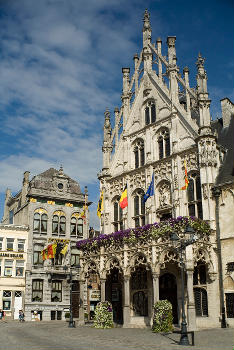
{"type": "Point", "coordinates": [103, 315]}
{"type": "Point", "coordinates": [163, 319]}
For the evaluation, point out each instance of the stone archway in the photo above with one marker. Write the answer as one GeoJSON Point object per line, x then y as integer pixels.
{"type": "Point", "coordinates": [168, 290]}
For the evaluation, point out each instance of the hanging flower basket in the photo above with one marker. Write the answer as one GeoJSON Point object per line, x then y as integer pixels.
{"type": "Point", "coordinates": [163, 318]}
{"type": "Point", "coordinates": [103, 315]}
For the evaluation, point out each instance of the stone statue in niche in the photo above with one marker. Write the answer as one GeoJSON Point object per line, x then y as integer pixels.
{"type": "Point", "coordinates": [164, 195]}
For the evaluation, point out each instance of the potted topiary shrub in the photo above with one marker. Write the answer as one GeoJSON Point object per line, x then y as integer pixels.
{"type": "Point", "coordinates": [163, 318]}
{"type": "Point", "coordinates": [103, 315]}
{"type": "Point", "coordinates": [67, 316]}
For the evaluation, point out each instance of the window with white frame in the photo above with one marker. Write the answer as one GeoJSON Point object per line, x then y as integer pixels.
{"type": "Point", "coordinates": [37, 290]}
{"type": "Point", "coordinates": [6, 300]}
{"type": "Point", "coordinates": [10, 243]}
{"type": "Point", "coordinates": [1, 243]}
{"type": "Point", "coordinates": [118, 215]}
{"type": "Point", "coordinates": [76, 225]}
{"type": "Point", "coordinates": [8, 268]}
{"type": "Point", "coordinates": [139, 153]}
{"type": "Point", "coordinates": [37, 256]}
{"type": "Point", "coordinates": [194, 196]}
{"type": "Point", "coordinates": [21, 244]}
{"type": "Point", "coordinates": [75, 258]}
{"type": "Point", "coordinates": [56, 291]}
{"type": "Point", "coordinates": [150, 113]}
{"type": "Point", "coordinates": [139, 208]}
{"type": "Point", "coordinates": [164, 149]}
{"type": "Point", "coordinates": [19, 268]}
{"type": "Point", "coordinates": [59, 223]}
{"type": "Point", "coordinates": [40, 221]}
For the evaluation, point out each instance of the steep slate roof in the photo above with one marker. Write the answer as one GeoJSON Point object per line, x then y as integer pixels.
{"type": "Point", "coordinates": [45, 179]}
{"type": "Point", "coordinates": [225, 139]}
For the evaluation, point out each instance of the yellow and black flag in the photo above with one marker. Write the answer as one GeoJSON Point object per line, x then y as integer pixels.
{"type": "Point", "coordinates": [100, 206]}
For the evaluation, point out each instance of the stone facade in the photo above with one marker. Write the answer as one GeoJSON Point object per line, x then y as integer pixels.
{"type": "Point", "coordinates": [52, 205]}
{"type": "Point", "coordinates": [163, 126]}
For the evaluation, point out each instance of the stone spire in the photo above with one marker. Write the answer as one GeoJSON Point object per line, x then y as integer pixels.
{"type": "Point", "coordinates": [146, 29]}
{"type": "Point", "coordinates": [107, 147]}
{"type": "Point", "coordinates": [203, 96]}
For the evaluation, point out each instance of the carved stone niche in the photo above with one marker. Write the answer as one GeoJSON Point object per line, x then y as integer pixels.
{"type": "Point", "coordinates": [164, 195]}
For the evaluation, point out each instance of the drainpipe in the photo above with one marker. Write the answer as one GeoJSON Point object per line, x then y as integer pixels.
{"type": "Point", "coordinates": [216, 193]}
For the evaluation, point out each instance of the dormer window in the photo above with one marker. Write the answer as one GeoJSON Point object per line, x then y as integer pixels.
{"type": "Point", "coordinates": [139, 154]}
{"type": "Point", "coordinates": [150, 113]}
{"type": "Point", "coordinates": [164, 148]}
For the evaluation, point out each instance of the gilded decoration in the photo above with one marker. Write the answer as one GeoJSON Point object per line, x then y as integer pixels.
{"type": "Point", "coordinates": [59, 213]}
{"type": "Point", "coordinates": [32, 200]}
{"type": "Point", "coordinates": [51, 202]}
{"type": "Point", "coordinates": [41, 211]}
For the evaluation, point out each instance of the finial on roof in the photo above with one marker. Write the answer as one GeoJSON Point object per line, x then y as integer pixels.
{"type": "Point", "coordinates": [61, 170]}
{"type": "Point", "coordinates": [107, 113]}
{"type": "Point", "coordinates": [200, 60]}
{"type": "Point", "coordinates": [146, 20]}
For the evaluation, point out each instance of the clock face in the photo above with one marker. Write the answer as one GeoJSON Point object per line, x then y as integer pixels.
{"type": "Point", "coordinates": [60, 186]}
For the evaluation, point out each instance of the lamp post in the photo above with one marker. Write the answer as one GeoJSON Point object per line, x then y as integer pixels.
{"type": "Point", "coordinates": [71, 323]}
{"type": "Point", "coordinates": [180, 246]}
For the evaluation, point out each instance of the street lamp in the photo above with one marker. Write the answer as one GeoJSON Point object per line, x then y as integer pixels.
{"type": "Point", "coordinates": [180, 245]}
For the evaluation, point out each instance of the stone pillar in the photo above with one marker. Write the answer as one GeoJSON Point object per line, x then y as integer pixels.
{"type": "Point", "coordinates": [103, 289]}
{"type": "Point", "coordinates": [126, 310]}
{"type": "Point", "coordinates": [81, 306]}
{"type": "Point", "coordinates": [191, 314]}
{"type": "Point", "coordinates": [155, 277]}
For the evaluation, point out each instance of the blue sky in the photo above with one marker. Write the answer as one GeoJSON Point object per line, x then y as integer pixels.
{"type": "Point", "coordinates": [60, 67]}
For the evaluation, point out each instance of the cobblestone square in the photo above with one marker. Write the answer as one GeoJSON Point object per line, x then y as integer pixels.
{"type": "Point", "coordinates": [57, 335]}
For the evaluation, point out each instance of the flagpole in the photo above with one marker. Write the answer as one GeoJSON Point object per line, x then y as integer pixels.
{"type": "Point", "coordinates": [104, 212]}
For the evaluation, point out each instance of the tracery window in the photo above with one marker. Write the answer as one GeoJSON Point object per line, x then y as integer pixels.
{"type": "Point", "coordinates": [118, 216]}
{"type": "Point", "coordinates": [40, 220]}
{"type": "Point", "coordinates": [150, 113]}
{"type": "Point", "coordinates": [139, 208]}
{"type": "Point", "coordinates": [194, 196]}
{"type": "Point", "coordinates": [164, 148]}
{"type": "Point", "coordinates": [59, 223]}
{"type": "Point", "coordinates": [76, 225]}
{"type": "Point", "coordinates": [139, 153]}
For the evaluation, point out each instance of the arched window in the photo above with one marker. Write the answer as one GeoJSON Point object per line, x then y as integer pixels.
{"type": "Point", "coordinates": [37, 256]}
{"type": "Point", "coordinates": [194, 196]}
{"type": "Point", "coordinates": [76, 225]}
{"type": "Point", "coordinates": [59, 223]}
{"type": "Point", "coordinates": [150, 113]}
{"type": "Point", "coordinates": [118, 216]}
{"type": "Point", "coordinates": [139, 208]}
{"type": "Point", "coordinates": [139, 153]}
{"type": "Point", "coordinates": [40, 219]}
{"type": "Point", "coordinates": [164, 148]}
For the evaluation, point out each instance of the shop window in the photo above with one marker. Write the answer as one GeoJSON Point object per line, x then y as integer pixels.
{"type": "Point", "coordinates": [194, 196]}
{"type": "Point", "coordinates": [118, 216]}
{"type": "Point", "coordinates": [19, 268]}
{"type": "Point", "coordinates": [201, 302]}
{"type": "Point", "coordinates": [40, 221]}
{"type": "Point", "coordinates": [56, 291]}
{"type": "Point", "coordinates": [8, 268]}
{"type": "Point", "coordinates": [1, 243]}
{"type": "Point", "coordinates": [139, 154]}
{"type": "Point", "coordinates": [6, 300]}
{"type": "Point", "coordinates": [164, 148]}
{"type": "Point", "coordinates": [230, 304]}
{"type": "Point", "coordinates": [76, 225]}
{"type": "Point", "coordinates": [37, 290]}
{"type": "Point", "coordinates": [10, 243]}
{"type": "Point", "coordinates": [56, 315]}
{"type": "Point", "coordinates": [37, 256]}
{"type": "Point", "coordinates": [59, 223]}
{"type": "Point", "coordinates": [21, 244]}
{"type": "Point", "coordinates": [139, 208]}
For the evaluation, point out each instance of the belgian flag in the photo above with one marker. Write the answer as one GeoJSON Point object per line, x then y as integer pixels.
{"type": "Point", "coordinates": [186, 180]}
{"type": "Point", "coordinates": [123, 203]}
{"type": "Point", "coordinates": [100, 206]}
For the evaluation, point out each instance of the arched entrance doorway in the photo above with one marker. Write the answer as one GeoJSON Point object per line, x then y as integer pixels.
{"type": "Point", "coordinates": [139, 291]}
{"type": "Point", "coordinates": [114, 283]}
{"type": "Point", "coordinates": [168, 290]}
